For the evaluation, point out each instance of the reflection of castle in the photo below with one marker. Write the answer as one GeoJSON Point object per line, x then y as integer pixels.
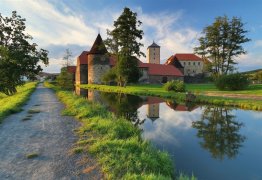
{"type": "Point", "coordinates": [153, 111]}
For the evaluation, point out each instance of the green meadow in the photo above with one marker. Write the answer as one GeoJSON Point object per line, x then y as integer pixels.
{"type": "Point", "coordinates": [12, 104]}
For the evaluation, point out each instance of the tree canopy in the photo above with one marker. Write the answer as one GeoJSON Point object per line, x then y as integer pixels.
{"type": "Point", "coordinates": [18, 57]}
{"type": "Point", "coordinates": [222, 43]}
{"type": "Point", "coordinates": [123, 41]}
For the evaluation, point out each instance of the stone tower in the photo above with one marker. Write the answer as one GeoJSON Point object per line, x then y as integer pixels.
{"type": "Point", "coordinates": [153, 53]}
{"type": "Point", "coordinates": [98, 61]}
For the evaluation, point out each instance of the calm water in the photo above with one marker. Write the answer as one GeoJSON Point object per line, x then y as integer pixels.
{"type": "Point", "coordinates": [211, 142]}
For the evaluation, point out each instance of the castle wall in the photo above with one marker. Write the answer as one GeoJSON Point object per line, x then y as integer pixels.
{"type": "Point", "coordinates": [192, 68]}
{"type": "Point", "coordinates": [81, 73]}
{"type": "Point", "coordinates": [98, 65]}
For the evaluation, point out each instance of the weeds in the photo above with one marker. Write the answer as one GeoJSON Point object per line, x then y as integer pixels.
{"type": "Point", "coordinates": [32, 155]}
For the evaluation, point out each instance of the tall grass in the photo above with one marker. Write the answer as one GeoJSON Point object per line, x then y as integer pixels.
{"type": "Point", "coordinates": [12, 104]}
{"type": "Point", "coordinates": [115, 142]}
{"type": "Point", "coordinates": [156, 90]}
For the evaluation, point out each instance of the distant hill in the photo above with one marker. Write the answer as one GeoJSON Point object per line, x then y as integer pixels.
{"type": "Point", "coordinates": [252, 72]}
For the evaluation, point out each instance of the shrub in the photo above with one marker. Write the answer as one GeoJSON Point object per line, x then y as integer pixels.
{"type": "Point", "coordinates": [175, 85]}
{"type": "Point", "coordinates": [232, 82]}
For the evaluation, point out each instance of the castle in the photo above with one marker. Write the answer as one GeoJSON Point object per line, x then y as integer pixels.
{"type": "Point", "coordinates": [93, 64]}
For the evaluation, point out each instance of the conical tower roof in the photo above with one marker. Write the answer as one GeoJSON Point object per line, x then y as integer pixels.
{"type": "Point", "coordinates": [154, 45]}
{"type": "Point", "coordinates": [98, 46]}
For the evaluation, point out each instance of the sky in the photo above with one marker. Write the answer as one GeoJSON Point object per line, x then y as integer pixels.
{"type": "Point", "coordinates": [175, 25]}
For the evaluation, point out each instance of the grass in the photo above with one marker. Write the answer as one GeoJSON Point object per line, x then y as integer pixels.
{"type": "Point", "coordinates": [115, 142]}
{"type": "Point", "coordinates": [254, 89]}
{"type": "Point", "coordinates": [157, 90]}
{"type": "Point", "coordinates": [32, 155]}
{"type": "Point", "coordinates": [12, 104]}
{"type": "Point", "coordinates": [33, 111]}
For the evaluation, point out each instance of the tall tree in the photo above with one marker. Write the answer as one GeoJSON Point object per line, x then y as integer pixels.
{"type": "Point", "coordinates": [222, 43]}
{"type": "Point", "coordinates": [123, 42]}
{"type": "Point", "coordinates": [18, 57]}
{"type": "Point", "coordinates": [67, 58]}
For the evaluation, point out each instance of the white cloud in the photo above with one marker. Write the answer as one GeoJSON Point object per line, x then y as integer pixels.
{"type": "Point", "coordinates": [258, 43]}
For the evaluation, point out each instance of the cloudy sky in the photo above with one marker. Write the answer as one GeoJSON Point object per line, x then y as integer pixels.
{"type": "Point", "coordinates": [173, 24]}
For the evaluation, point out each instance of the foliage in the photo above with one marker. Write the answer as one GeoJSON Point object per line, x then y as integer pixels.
{"type": "Point", "coordinates": [110, 76]}
{"type": "Point", "coordinates": [258, 76]}
{"type": "Point", "coordinates": [18, 57]}
{"type": "Point", "coordinates": [67, 58]}
{"type": "Point", "coordinates": [127, 70]}
{"type": "Point", "coordinates": [115, 142]}
{"type": "Point", "coordinates": [123, 38]}
{"type": "Point", "coordinates": [222, 42]}
{"type": "Point", "coordinates": [65, 79]}
{"type": "Point", "coordinates": [232, 82]}
{"type": "Point", "coordinates": [123, 42]}
{"type": "Point", "coordinates": [175, 85]}
{"type": "Point", "coordinates": [12, 104]}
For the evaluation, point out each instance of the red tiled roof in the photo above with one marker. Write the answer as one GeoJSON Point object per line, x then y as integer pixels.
{"type": "Point", "coordinates": [187, 57]}
{"type": "Point", "coordinates": [71, 69]}
{"type": "Point", "coordinates": [83, 57]}
{"type": "Point", "coordinates": [161, 69]}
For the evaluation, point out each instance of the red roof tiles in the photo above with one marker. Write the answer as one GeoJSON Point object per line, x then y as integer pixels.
{"type": "Point", "coordinates": [83, 57]}
{"type": "Point", "coordinates": [187, 57]}
{"type": "Point", "coordinates": [71, 69]}
{"type": "Point", "coordinates": [161, 69]}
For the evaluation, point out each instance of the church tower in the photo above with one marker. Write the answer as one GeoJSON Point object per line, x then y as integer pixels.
{"type": "Point", "coordinates": [153, 53]}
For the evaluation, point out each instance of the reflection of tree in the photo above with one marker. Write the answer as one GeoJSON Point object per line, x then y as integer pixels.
{"type": "Point", "coordinates": [124, 105]}
{"type": "Point", "coordinates": [219, 131]}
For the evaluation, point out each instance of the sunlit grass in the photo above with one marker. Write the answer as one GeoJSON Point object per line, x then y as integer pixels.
{"type": "Point", "coordinates": [115, 142]}
{"type": "Point", "coordinates": [12, 104]}
{"type": "Point", "coordinates": [158, 90]}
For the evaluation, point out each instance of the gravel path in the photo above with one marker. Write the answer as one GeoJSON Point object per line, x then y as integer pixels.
{"type": "Point", "coordinates": [47, 134]}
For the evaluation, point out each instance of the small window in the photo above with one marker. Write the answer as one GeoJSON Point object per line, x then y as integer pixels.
{"type": "Point", "coordinates": [188, 63]}
{"type": "Point", "coordinates": [199, 63]}
{"type": "Point", "coordinates": [193, 63]}
{"type": "Point", "coordinates": [184, 63]}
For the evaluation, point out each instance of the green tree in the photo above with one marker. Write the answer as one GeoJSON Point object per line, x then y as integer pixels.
{"type": "Point", "coordinates": [65, 79]}
{"type": "Point", "coordinates": [18, 57]}
{"type": "Point", "coordinates": [123, 42]}
{"type": "Point", "coordinates": [222, 43]}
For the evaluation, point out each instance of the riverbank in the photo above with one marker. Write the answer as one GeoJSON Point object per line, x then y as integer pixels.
{"type": "Point", "coordinates": [157, 90]}
{"type": "Point", "coordinates": [12, 104]}
{"type": "Point", "coordinates": [115, 142]}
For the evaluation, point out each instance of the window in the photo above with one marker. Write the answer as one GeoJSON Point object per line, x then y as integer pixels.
{"type": "Point", "coordinates": [199, 63]}
{"type": "Point", "coordinates": [188, 63]}
{"type": "Point", "coordinates": [193, 63]}
{"type": "Point", "coordinates": [184, 63]}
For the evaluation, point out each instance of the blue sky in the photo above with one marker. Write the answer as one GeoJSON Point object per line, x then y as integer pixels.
{"type": "Point", "coordinates": [174, 24]}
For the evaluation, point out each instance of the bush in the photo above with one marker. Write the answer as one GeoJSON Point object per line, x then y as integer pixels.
{"type": "Point", "coordinates": [232, 82]}
{"type": "Point", "coordinates": [175, 85]}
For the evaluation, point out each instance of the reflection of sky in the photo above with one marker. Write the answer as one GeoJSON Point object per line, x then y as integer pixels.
{"type": "Point", "coordinates": [173, 132]}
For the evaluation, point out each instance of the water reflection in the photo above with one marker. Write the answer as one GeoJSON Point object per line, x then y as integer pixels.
{"type": "Point", "coordinates": [219, 131]}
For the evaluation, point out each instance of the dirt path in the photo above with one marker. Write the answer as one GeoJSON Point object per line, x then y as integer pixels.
{"type": "Point", "coordinates": [49, 135]}
{"type": "Point", "coordinates": [240, 96]}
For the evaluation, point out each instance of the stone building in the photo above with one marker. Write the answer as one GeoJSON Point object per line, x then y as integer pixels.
{"type": "Point", "coordinates": [91, 65]}
{"type": "Point", "coordinates": [189, 64]}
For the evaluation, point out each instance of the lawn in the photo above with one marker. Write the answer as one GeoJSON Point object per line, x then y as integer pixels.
{"type": "Point", "coordinates": [199, 89]}
{"type": "Point", "coordinates": [254, 89]}
{"type": "Point", "coordinates": [12, 104]}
